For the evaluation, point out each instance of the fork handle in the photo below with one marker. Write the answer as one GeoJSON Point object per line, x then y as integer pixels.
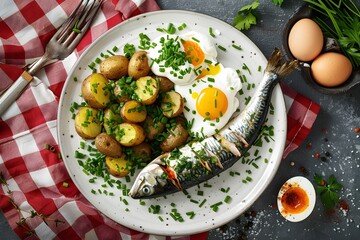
{"type": "Point", "coordinates": [14, 91]}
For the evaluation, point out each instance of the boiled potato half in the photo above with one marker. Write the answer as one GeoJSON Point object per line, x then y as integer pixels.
{"type": "Point", "coordinates": [143, 151]}
{"type": "Point", "coordinates": [112, 118]}
{"type": "Point", "coordinates": [152, 128]}
{"type": "Point", "coordinates": [172, 104]}
{"type": "Point", "coordinates": [133, 111]}
{"type": "Point", "coordinates": [138, 65]}
{"type": "Point", "coordinates": [165, 83]}
{"type": "Point", "coordinates": [94, 90]}
{"type": "Point", "coordinates": [129, 134]}
{"type": "Point", "coordinates": [118, 167]}
{"type": "Point", "coordinates": [108, 145]}
{"type": "Point", "coordinates": [147, 90]}
{"type": "Point", "coordinates": [114, 67]}
{"type": "Point", "coordinates": [177, 136]}
{"type": "Point", "coordinates": [87, 124]}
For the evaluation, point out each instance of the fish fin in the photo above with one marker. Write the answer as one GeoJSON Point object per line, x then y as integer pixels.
{"type": "Point", "coordinates": [281, 69]}
{"type": "Point", "coordinates": [230, 146]}
{"type": "Point", "coordinates": [205, 165]}
{"type": "Point", "coordinates": [171, 174]}
{"type": "Point", "coordinates": [218, 162]}
{"type": "Point", "coordinates": [246, 144]}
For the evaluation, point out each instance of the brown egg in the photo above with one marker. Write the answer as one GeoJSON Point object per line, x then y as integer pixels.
{"type": "Point", "coordinates": [331, 69]}
{"type": "Point", "coordinates": [305, 40]}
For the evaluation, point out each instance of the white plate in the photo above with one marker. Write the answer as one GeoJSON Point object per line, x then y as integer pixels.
{"type": "Point", "coordinates": [242, 194]}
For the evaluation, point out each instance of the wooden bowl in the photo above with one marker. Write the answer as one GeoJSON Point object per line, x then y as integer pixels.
{"type": "Point", "coordinates": [330, 45]}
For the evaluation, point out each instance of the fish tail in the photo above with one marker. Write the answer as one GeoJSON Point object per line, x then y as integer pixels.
{"type": "Point", "coordinates": [276, 66]}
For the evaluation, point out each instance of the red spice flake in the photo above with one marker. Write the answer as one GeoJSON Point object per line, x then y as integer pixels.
{"type": "Point", "coordinates": [273, 205]}
{"type": "Point", "coordinates": [357, 129]}
{"type": "Point", "coordinates": [317, 155]}
{"type": "Point", "coordinates": [303, 170]}
{"type": "Point", "coordinates": [253, 213]}
{"type": "Point", "coordinates": [322, 182]}
{"type": "Point", "coordinates": [309, 146]}
{"type": "Point", "coordinates": [343, 205]}
{"type": "Point", "coordinates": [324, 131]}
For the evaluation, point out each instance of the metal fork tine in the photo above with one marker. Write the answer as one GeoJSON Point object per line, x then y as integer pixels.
{"type": "Point", "coordinates": [90, 16]}
{"type": "Point", "coordinates": [61, 45]}
{"type": "Point", "coordinates": [66, 33]}
{"type": "Point", "coordinates": [68, 21]}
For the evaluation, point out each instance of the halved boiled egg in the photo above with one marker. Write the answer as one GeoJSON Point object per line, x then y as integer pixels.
{"type": "Point", "coordinates": [296, 199]}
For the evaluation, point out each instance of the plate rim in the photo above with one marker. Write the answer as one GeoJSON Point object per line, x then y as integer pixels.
{"type": "Point", "coordinates": [268, 177]}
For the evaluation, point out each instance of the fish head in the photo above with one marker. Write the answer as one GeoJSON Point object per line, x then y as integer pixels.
{"type": "Point", "coordinates": [150, 181]}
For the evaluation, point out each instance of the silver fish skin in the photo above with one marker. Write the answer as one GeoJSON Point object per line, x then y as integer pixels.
{"type": "Point", "coordinates": [197, 162]}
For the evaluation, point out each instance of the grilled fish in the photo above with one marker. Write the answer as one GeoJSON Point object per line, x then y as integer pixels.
{"type": "Point", "coordinates": [199, 161]}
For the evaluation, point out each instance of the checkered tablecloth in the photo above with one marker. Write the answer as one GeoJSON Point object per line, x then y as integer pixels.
{"type": "Point", "coordinates": [36, 175]}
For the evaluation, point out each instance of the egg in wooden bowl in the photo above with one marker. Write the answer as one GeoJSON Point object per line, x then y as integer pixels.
{"type": "Point", "coordinates": [324, 66]}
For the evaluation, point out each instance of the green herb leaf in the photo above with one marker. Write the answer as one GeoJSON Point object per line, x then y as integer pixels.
{"type": "Point", "coordinates": [278, 2]}
{"type": "Point", "coordinates": [246, 16]}
{"type": "Point", "coordinates": [340, 20]}
{"type": "Point", "coordinates": [327, 190]}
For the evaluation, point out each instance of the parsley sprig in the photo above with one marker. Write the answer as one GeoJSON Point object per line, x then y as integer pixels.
{"type": "Point", "coordinates": [327, 190]}
{"type": "Point", "coordinates": [246, 16]}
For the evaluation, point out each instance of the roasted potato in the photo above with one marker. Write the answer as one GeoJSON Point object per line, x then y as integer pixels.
{"type": "Point", "coordinates": [165, 84]}
{"type": "Point", "coordinates": [94, 91]}
{"type": "Point", "coordinates": [177, 136]}
{"type": "Point", "coordinates": [112, 118]}
{"type": "Point", "coordinates": [138, 65]}
{"type": "Point", "coordinates": [114, 67]}
{"type": "Point", "coordinates": [152, 129]}
{"type": "Point", "coordinates": [87, 124]}
{"type": "Point", "coordinates": [172, 104]}
{"type": "Point", "coordinates": [146, 90]}
{"type": "Point", "coordinates": [133, 111]}
{"type": "Point", "coordinates": [129, 134]}
{"type": "Point", "coordinates": [143, 151]}
{"type": "Point", "coordinates": [108, 145]}
{"type": "Point", "coordinates": [118, 167]}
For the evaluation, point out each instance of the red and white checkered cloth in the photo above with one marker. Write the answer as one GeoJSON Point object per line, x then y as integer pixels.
{"type": "Point", "coordinates": [35, 174]}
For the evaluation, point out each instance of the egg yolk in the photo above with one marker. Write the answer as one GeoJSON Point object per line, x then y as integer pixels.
{"type": "Point", "coordinates": [211, 103]}
{"type": "Point", "coordinates": [295, 200]}
{"type": "Point", "coordinates": [194, 52]}
{"type": "Point", "coordinates": [210, 70]}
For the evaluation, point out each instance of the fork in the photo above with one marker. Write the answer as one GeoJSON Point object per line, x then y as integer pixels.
{"type": "Point", "coordinates": [61, 45]}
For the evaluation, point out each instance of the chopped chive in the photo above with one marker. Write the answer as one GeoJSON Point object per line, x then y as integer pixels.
{"type": "Point", "coordinates": [238, 47]}
{"type": "Point", "coordinates": [227, 199]}
{"type": "Point", "coordinates": [65, 184]}
{"type": "Point", "coordinates": [211, 32]}
{"type": "Point", "coordinates": [202, 203]}
{"type": "Point", "coordinates": [98, 60]}
{"type": "Point", "coordinates": [190, 214]}
{"type": "Point", "coordinates": [222, 48]}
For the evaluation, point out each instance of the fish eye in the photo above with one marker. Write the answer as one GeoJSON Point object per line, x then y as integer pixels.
{"type": "Point", "coordinates": [146, 190]}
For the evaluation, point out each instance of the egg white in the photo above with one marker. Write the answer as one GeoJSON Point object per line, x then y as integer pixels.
{"type": "Point", "coordinates": [206, 45]}
{"type": "Point", "coordinates": [228, 81]}
{"type": "Point", "coordinates": [307, 186]}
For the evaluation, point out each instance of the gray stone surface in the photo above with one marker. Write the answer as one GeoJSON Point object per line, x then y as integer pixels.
{"type": "Point", "coordinates": [333, 133]}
